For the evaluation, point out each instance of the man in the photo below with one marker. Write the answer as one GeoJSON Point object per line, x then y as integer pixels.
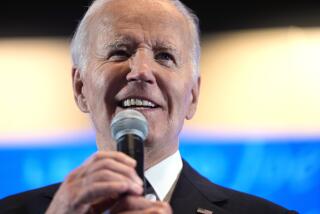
{"type": "Point", "coordinates": [144, 55]}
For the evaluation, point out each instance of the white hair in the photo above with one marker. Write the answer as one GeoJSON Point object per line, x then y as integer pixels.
{"type": "Point", "coordinates": [80, 40]}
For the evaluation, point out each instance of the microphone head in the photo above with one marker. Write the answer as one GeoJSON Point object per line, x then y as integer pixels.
{"type": "Point", "coordinates": [129, 121]}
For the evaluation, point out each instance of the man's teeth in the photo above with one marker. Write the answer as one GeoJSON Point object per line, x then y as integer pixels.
{"type": "Point", "coordinates": [137, 102]}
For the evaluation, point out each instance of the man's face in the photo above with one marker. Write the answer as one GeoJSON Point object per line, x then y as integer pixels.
{"type": "Point", "coordinates": [139, 58]}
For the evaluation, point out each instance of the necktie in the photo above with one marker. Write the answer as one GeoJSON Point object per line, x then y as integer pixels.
{"type": "Point", "coordinates": [149, 192]}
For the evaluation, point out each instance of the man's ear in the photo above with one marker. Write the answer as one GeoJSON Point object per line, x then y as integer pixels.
{"type": "Point", "coordinates": [78, 90]}
{"type": "Point", "coordinates": [194, 98]}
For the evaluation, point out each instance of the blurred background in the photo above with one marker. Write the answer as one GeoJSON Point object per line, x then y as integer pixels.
{"type": "Point", "coordinates": [257, 128]}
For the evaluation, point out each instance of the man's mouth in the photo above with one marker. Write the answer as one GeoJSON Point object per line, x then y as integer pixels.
{"type": "Point", "coordinates": [137, 103]}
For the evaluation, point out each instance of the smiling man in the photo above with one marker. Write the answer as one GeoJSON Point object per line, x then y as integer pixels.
{"type": "Point", "coordinates": [142, 55]}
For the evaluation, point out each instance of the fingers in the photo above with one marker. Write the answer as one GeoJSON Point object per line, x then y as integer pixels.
{"type": "Point", "coordinates": [162, 208]}
{"type": "Point", "coordinates": [102, 180]}
{"type": "Point", "coordinates": [114, 166]}
{"type": "Point", "coordinates": [130, 203]}
{"type": "Point", "coordinates": [137, 204]}
{"type": "Point", "coordinates": [152, 210]}
{"type": "Point", "coordinates": [102, 189]}
{"type": "Point", "coordinates": [106, 174]}
{"type": "Point", "coordinates": [118, 156]}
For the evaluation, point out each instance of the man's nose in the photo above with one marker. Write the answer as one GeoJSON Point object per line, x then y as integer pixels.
{"type": "Point", "coordinates": [141, 67]}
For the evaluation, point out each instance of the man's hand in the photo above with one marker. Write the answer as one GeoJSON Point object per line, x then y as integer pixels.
{"type": "Point", "coordinates": [139, 205]}
{"type": "Point", "coordinates": [96, 185]}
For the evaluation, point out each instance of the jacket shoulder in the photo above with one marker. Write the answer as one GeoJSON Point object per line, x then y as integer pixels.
{"type": "Point", "coordinates": [33, 201]}
{"type": "Point", "coordinates": [231, 200]}
{"type": "Point", "coordinates": [246, 203]}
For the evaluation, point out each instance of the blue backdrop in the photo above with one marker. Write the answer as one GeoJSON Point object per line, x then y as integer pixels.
{"type": "Point", "coordinates": [286, 171]}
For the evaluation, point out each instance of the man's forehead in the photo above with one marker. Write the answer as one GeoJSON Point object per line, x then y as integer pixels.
{"type": "Point", "coordinates": [157, 26]}
{"type": "Point", "coordinates": [126, 29]}
{"type": "Point", "coordinates": [137, 3]}
{"type": "Point", "coordinates": [156, 11]}
{"type": "Point", "coordinates": [130, 40]}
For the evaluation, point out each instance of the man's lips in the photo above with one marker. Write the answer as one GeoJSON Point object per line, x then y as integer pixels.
{"type": "Point", "coordinates": [135, 102]}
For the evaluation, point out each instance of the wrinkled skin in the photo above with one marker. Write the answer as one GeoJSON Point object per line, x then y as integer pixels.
{"type": "Point", "coordinates": [137, 50]}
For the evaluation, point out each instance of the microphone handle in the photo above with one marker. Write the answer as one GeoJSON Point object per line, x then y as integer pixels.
{"type": "Point", "coordinates": [132, 145]}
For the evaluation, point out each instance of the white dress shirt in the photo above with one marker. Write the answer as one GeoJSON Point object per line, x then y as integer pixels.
{"type": "Point", "coordinates": [164, 174]}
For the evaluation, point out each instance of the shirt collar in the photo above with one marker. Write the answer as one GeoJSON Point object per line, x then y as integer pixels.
{"type": "Point", "coordinates": [164, 174]}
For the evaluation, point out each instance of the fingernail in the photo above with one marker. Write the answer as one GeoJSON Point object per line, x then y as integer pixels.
{"type": "Point", "coordinates": [138, 180]}
{"type": "Point", "coordinates": [133, 162]}
{"type": "Point", "coordinates": [151, 197]}
{"type": "Point", "coordinates": [138, 188]}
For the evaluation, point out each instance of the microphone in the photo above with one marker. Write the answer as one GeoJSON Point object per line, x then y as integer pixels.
{"type": "Point", "coordinates": [129, 128]}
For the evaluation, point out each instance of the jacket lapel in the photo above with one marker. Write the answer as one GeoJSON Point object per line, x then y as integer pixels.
{"type": "Point", "coordinates": [195, 194]}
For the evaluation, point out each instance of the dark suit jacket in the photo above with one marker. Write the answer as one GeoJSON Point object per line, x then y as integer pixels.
{"type": "Point", "coordinates": [193, 194]}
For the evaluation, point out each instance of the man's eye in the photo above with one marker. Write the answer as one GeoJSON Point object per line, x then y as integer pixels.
{"type": "Point", "coordinates": [165, 58]}
{"type": "Point", "coordinates": [118, 55]}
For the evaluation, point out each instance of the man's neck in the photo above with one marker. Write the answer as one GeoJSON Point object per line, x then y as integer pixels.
{"type": "Point", "coordinates": [153, 155]}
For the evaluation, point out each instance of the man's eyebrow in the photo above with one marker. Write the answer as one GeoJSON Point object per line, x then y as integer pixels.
{"type": "Point", "coordinates": [164, 45]}
{"type": "Point", "coordinates": [120, 42]}
{"type": "Point", "coordinates": [129, 42]}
